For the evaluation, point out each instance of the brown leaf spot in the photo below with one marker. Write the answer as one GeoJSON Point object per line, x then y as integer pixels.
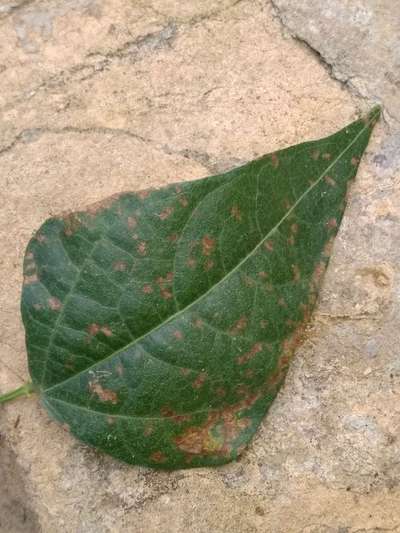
{"type": "Point", "coordinates": [328, 247]}
{"type": "Point", "coordinates": [290, 240]}
{"type": "Point", "coordinates": [239, 326]}
{"type": "Point", "coordinates": [111, 420]}
{"type": "Point", "coordinates": [119, 266]}
{"type": "Point", "coordinates": [163, 283]}
{"type": "Point", "coordinates": [96, 207]}
{"type": "Point", "coordinates": [262, 275]}
{"type": "Point", "coordinates": [332, 223]}
{"type": "Point", "coordinates": [263, 324]}
{"type": "Point", "coordinates": [269, 245]}
{"type": "Point", "coordinates": [166, 294]}
{"type": "Point", "coordinates": [198, 323]}
{"type": "Point", "coordinates": [354, 161]}
{"type": "Point", "coordinates": [294, 228]}
{"type": "Point", "coordinates": [208, 244]}
{"type": "Point", "coordinates": [286, 204]}
{"type": "Point", "coordinates": [208, 265]}
{"type": "Point", "coordinates": [248, 281]}
{"type": "Point", "coordinates": [275, 160]}
{"type": "Point", "coordinates": [94, 329]}
{"type": "Point", "coordinates": [217, 434]}
{"type": "Point", "coordinates": [306, 312]}
{"type": "Point", "coordinates": [29, 280]}
{"type": "Point", "coordinates": [296, 273]}
{"type": "Point", "coordinates": [326, 156]}
{"type": "Point", "coordinates": [317, 275]}
{"type": "Point", "coordinates": [191, 263]}
{"type": "Point", "coordinates": [132, 222]}
{"type": "Point", "coordinates": [106, 331]}
{"type": "Point", "coordinates": [167, 412]}
{"type": "Point", "coordinates": [183, 201]}
{"type": "Point", "coordinates": [173, 237]}
{"type": "Point", "coordinates": [330, 181]}
{"type": "Point", "coordinates": [54, 304]}
{"type": "Point", "coordinates": [200, 380]}
{"type": "Point", "coordinates": [220, 392]}
{"type": "Point", "coordinates": [158, 457]}
{"type": "Point", "coordinates": [166, 213]}
{"type": "Point", "coordinates": [105, 395]}
{"type": "Point", "coordinates": [249, 373]}
{"type": "Point", "coordinates": [235, 213]}
{"type": "Point", "coordinates": [256, 348]}
{"type": "Point", "coordinates": [178, 335]}
{"type": "Point", "coordinates": [185, 371]}
{"type": "Point", "coordinates": [147, 289]}
{"type": "Point", "coordinates": [148, 430]}
{"type": "Point", "coordinates": [71, 224]}
{"type": "Point", "coordinates": [37, 307]}
{"type": "Point", "coordinates": [142, 195]}
{"type": "Point", "coordinates": [282, 302]}
{"type": "Point", "coordinates": [315, 154]}
{"type": "Point", "coordinates": [120, 369]}
{"type": "Point", "coordinates": [40, 238]}
{"type": "Point", "coordinates": [142, 248]}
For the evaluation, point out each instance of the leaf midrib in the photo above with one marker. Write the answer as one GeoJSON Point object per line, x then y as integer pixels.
{"type": "Point", "coordinates": [231, 272]}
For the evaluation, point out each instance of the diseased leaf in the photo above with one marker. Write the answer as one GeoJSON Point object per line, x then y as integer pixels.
{"type": "Point", "coordinates": [160, 324]}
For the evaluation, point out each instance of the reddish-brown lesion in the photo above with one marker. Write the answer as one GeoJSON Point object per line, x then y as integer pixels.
{"type": "Point", "coordinates": [177, 418]}
{"type": "Point", "coordinates": [30, 279]}
{"type": "Point", "coordinates": [289, 346]}
{"type": "Point", "coordinates": [208, 245]}
{"type": "Point", "coordinates": [254, 350]}
{"type": "Point", "coordinates": [217, 435]}
{"type": "Point", "coordinates": [178, 335]}
{"type": "Point", "coordinates": [274, 160]}
{"type": "Point", "coordinates": [158, 457]}
{"type": "Point", "coordinates": [330, 181]}
{"type": "Point", "coordinates": [239, 326]}
{"type": "Point", "coordinates": [103, 394]}
{"type": "Point", "coordinates": [166, 213]}
{"type": "Point", "coordinates": [200, 380]}
{"type": "Point", "coordinates": [296, 273]}
{"type": "Point", "coordinates": [164, 284]}
{"type": "Point", "coordinates": [208, 265]}
{"type": "Point", "coordinates": [120, 266]}
{"type": "Point", "coordinates": [54, 304]}
{"type": "Point", "coordinates": [93, 329]}
{"type": "Point", "coordinates": [142, 248]}
{"type": "Point", "coordinates": [332, 223]}
{"type": "Point", "coordinates": [236, 213]}
{"type": "Point", "coordinates": [72, 223]}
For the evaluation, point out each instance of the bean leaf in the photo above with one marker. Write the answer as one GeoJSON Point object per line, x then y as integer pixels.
{"type": "Point", "coordinates": [160, 324]}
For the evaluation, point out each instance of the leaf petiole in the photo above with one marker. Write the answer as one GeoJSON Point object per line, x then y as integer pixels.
{"type": "Point", "coordinates": [25, 390]}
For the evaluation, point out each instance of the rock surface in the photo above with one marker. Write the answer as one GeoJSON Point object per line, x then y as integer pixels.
{"type": "Point", "coordinates": [98, 97]}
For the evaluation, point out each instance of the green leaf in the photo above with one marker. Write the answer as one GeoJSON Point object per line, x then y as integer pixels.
{"type": "Point", "coordinates": [160, 324]}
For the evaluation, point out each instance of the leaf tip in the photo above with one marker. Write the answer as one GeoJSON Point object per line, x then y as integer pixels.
{"type": "Point", "coordinates": [373, 116]}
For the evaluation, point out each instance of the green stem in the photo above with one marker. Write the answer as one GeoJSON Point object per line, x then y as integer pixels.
{"type": "Point", "coordinates": [25, 390]}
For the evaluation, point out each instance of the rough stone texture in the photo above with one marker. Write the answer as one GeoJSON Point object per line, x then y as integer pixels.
{"type": "Point", "coordinates": [102, 96]}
